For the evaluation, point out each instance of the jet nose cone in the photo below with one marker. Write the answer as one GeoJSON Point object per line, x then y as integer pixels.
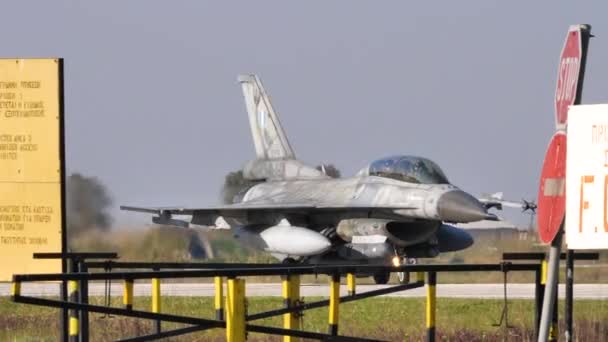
{"type": "Point", "coordinates": [459, 207]}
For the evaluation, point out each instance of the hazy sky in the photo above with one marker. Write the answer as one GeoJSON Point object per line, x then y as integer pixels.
{"type": "Point", "coordinates": [153, 108]}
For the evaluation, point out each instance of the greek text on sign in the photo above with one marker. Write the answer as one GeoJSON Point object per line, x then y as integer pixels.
{"type": "Point", "coordinates": [30, 165]}
{"type": "Point", "coordinates": [587, 177]}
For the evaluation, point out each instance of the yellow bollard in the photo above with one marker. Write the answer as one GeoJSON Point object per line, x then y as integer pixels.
{"type": "Point", "coordinates": [73, 327]}
{"type": "Point", "coordinates": [553, 332]}
{"type": "Point", "coordinates": [127, 295]}
{"type": "Point", "coordinates": [291, 294]}
{"type": "Point", "coordinates": [73, 320]}
{"type": "Point", "coordinates": [156, 298]}
{"type": "Point", "coordinates": [430, 305]}
{"type": "Point", "coordinates": [351, 283]}
{"type": "Point", "coordinates": [219, 298]}
{"type": "Point", "coordinates": [156, 295]}
{"type": "Point", "coordinates": [235, 311]}
{"type": "Point", "coordinates": [420, 276]}
{"type": "Point", "coordinates": [16, 289]}
{"type": "Point", "coordinates": [334, 304]}
{"type": "Point", "coordinates": [543, 272]}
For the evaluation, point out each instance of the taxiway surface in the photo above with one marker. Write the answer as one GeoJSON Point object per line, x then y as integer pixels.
{"type": "Point", "coordinates": [487, 291]}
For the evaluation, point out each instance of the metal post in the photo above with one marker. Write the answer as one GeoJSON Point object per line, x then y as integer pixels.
{"type": "Point", "coordinates": [73, 325]}
{"type": "Point", "coordinates": [351, 283]}
{"type": "Point", "coordinates": [156, 301]}
{"type": "Point", "coordinates": [219, 298]}
{"type": "Point", "coordinates": [291, 295]}
{"type": "Point", "coordinates": [235, 310]}
{"type": "Point", "coordinates": [334, 304]}
{"type": "Point", "coordinates": [431, 294]}
{"type": "Point", "coordinates": [569, 294]}
{"type": "Point", "coordinates": [63, 289]}
{"type": "Point", "coordinates": [551, 288]}
{"type": "Point", "coordinates": [65, 264]}
{"type": "Point", "coordinates": [539, 292]}
{"type": "Point", "coordinates": [127, 297]}
{"type": "Point", "coordinates": [63, 313]}
{"type": "Point", "coordinates": [84, 299]}
{"type": "Point", "coordinates": [554, 330]}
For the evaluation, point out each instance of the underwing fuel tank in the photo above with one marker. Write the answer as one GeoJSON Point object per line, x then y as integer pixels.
{"type": "Point", "coordinates": [283, 239]}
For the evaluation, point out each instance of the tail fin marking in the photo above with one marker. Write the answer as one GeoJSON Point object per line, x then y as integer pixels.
{"type": "Point", "coordinates": [268, 135]}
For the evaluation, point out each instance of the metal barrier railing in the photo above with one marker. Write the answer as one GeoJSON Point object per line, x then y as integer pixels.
{"type": "Point", "coordinates": [230, 313]}
{"type": "Point", "coordinates": [75, 262]}
{"type": "Point", "coordinates": [541, 280]}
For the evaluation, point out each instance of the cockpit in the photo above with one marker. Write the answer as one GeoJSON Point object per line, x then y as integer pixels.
{"type": "Point", "coordinates": [408, 169]}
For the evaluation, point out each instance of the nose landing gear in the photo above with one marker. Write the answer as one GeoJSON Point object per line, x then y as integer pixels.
{"type": "Point", "coordinates": [404, 277]}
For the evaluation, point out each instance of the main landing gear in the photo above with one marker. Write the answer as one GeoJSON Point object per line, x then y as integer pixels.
{"type": "Point", "coordinates": [404, 277]}
{"type": "Point", "coordinates": [382, 278]}
{"type": "Point", "coordinates": [289, 261]}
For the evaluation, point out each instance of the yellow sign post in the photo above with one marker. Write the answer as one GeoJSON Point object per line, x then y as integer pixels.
{"type": "Point", "coordinates": [31, 164]}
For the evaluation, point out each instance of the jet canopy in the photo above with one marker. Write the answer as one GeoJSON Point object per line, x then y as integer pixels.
{"type": "Point", "coordinates": [408, 169]}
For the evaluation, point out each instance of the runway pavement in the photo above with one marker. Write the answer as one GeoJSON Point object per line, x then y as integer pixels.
{"type": "Point", "coordinates": [488, 291]}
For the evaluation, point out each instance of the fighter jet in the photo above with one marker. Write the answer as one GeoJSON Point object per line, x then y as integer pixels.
{"type": "Point", "coordinates": [395, 209]}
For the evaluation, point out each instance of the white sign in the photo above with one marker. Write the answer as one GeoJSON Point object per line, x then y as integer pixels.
{"type": "Point", "coordinates": [587, 177]}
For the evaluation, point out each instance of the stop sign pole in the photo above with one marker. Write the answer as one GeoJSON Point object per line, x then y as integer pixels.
{"type": "Point", "coordinates": [552, 189]}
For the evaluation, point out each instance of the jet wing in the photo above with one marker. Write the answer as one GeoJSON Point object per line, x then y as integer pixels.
{"type": "Point", "coordinates": [209, 216]}
{"type": "Point", "coordinates": [228, 209]}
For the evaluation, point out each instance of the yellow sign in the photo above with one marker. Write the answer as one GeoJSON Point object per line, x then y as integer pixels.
{"type": "Point", "coordinates": [30, 165]}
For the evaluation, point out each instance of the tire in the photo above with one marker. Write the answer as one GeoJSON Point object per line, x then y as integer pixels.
{"type": "Point", "coordinates": [381, 278]}
{"type": "Point", "coordinates": [289, 261]}
{"type": "Point", "coordinates": [403, 277]}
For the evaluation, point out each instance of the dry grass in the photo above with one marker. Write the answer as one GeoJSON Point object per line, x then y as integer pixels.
{"type": "Point", "coordinates": [158, 243]}
{"type": "Point", "coordinates": [392, 319]}
{"type": "Point", "coordinates": [170, 244]}
{"type": "Point", "coordinates": [489, 249]}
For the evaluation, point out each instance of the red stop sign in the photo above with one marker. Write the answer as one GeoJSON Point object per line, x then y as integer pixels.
{"type": "Point", "coordinates": [568, 75]}
{"type": "Point", "coordinates": [552, 190]}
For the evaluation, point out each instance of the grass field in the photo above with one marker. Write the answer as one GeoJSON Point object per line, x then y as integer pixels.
{"type": "Point", "coordinates": [392, 319]}
{"type": "Point", "coordinates": [170, 244]}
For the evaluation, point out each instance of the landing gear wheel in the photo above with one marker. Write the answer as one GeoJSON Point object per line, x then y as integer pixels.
{"type": "Point", "coordinates": [381, 278]}
{"type": "Point", "coordinates": [289, 261]}
{"type": "Point", "coordinates": [404, 277]}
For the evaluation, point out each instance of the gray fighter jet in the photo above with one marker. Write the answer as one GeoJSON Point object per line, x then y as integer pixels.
{"type": "Point", "coordinates": [394, 210]}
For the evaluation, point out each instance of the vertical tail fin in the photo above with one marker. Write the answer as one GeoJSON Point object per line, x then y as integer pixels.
{"type": "Point", "coordinates": [268, 135]}
{"type": "Point", "coordinates": [275, 159]}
